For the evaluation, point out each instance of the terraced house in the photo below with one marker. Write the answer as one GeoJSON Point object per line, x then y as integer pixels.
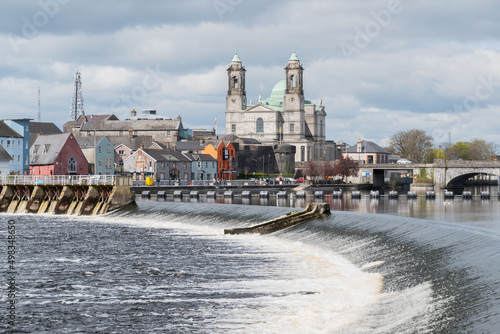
{"type": "Point", "coordinates": [15, 139]}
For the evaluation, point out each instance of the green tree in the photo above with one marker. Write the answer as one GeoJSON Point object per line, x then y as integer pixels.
{"type": "Point", "coordinates": [412, 144]}
{"type": "Point", "coordinates": [459, 150]}
{"type": "Point", "coordinates": [433, 154]}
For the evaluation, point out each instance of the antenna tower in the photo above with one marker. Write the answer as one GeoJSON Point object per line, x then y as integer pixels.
{"type": "Point", "coordinates": [77, 100]}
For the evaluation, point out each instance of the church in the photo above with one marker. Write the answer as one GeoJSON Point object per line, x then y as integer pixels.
{"type": "Point", "coordinates": [286, 117]}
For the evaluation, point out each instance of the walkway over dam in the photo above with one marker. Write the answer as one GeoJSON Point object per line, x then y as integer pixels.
{"type": "Point", "coordinates": [64, 194]}
{"type": "Point", "coordinates": [445, 173]}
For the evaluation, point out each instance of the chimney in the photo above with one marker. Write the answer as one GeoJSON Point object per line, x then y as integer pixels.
{"type": "Point", "coordinates": [142, 146]}
{"type": "Point", "coordinates": [130, 133]}
{"type": "Point", "coordinates": [359, 148]}
{"type": "Point", "coordinates": [179, 117]}
{"type": "Point", "coordinates": [133, 113]}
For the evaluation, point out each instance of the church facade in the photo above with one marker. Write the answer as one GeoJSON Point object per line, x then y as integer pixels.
{"type": "Point", "coordinates": [286, 117]}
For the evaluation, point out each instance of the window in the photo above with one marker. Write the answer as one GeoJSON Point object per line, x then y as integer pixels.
{"type": "Point", "coordinates": [19, 158]}
{"type": "Point", "coordinates": [72, 165]}
{"type": "Point", "coordinates": [259, 125]}
{"type": "Point", "coordinates": [168, 133]}
{"type": "Point", "coordinates": [293, 80]}
{"type": "Point", "coordinates": [292, 127]}
{"type": "Point", "coordinates": [235, 82]}
{"type": "Point", "coordinates": [100, 149]}
{"type": "Point", "coordinates": [150, 164]}
{"type": "Point", "coordinates": [109, 148]}
{"type": "Point", "coordinates": [19, 144]}
{"type": "Point", "coordinates": [8, 143]}
{"type": "Point", "coordinates": [213, 164]}
{"type": "Point", "coordinates": [121, 153]}
{"type": "Point", "coordinates": [162, 165]}
{"type": "Point", "coordinates": [26, 146]}
{"type": "Point", "coordinates": [100, 162]}
{"type": "Point", "coordinates": [321, 128]}
{"type": "Point", "coordinates": [184, 165]}
{"type": "Point", "coordinates": [233, 128]}
{"type": "Point", "coordinates": [26, 160]}
{"type": "Point", "coordinates": [199, 164]}
{"type": "Point", "coordinates": [174, 164]}
{"type": "Point", "coordinates": [109, 163]}
{"type": "Point", "coordinates": [120, 163]}
{"type": "Point", "coordinates": [121, 132]}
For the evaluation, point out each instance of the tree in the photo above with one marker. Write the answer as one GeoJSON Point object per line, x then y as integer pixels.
{"type": "Point", "coordinates": [412, 144]}
{"type": "Point", "coordinates": [312, 169]}
{"type": "Point", "coordinates": [345, 167]}
{"type": "Point", "coordinates": [434, 154]}
{"type": "Point", "coordinates": [327, 169]}
{"type": "Point", "coordinates": [481, 150]}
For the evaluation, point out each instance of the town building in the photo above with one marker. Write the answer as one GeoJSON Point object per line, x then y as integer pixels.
{"type": "Point", "coordinates": [367, 152]}
{"type": "Point", "coordinates": [148, 123]}
{"type": "Point", "coordinates": [226, 159]}
{"type": "Point", "coordinates": [124, 146]}
{"type": "Point", "coordinates": [99, 153]}
{"type": "Point", "coordinates": [204, 166]}
{"type": "Point", "coordinates": [286, 117]}
{"type": "Point", "coordinates": [159, 164]}
{"type": "Point", "coordinates": [15, 137]}
{"type": "Point", "coordinates": [5, 159]}
{"type": "Point", "coordinates": [57, 155]}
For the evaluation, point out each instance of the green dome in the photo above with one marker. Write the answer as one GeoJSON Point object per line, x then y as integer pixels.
{"type": "Point", "coordinates": [279, 89]}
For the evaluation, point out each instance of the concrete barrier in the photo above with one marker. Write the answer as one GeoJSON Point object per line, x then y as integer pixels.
{"type": "Point", "coordinates": [312, 211]}
{"type": "Point", "coordinates": [411, 195]}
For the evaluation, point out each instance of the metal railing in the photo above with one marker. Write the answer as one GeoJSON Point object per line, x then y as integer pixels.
{"type": "Point", "coordinates": [57, 179]}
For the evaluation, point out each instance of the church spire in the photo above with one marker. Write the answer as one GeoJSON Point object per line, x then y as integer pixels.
{"type": "Point", "coordinates": [236, 58]}
{"type": "Point", "coordinates": [294, 56]}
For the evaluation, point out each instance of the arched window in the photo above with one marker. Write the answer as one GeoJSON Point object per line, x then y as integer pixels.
{"type": "Point", "coordinates": [259, 125]}
{"type": "Point", "coordinates": [72, 165]}
{"type": "Point", "coordinates": [235, 82]}
{"type": "Point", "coordinates": [293, 81]}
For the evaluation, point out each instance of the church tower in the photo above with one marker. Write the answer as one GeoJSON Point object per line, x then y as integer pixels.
{"type": "Point", "coordinates": [236, 99]}
{"type": "Point", "coordinates": [294, 91]}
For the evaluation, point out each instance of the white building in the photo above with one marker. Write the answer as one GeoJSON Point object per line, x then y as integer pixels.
{"type": "Point", "coordinates": [285, 117]}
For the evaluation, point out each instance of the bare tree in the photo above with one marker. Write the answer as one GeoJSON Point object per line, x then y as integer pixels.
{"type": "Point", "coordinates": [412, 144]}
{"type": "Point", "coordinates": [481, 150]}
{"type": "Point", "coordinates": [313, 169]}
{"type": "Point", "coordinates": [327, 169]}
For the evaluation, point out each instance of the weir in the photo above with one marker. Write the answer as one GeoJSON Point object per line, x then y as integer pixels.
{"type": "Point", "coordinates": [313, 210]}
{"type": "Point", "coordinates": [65, 194]}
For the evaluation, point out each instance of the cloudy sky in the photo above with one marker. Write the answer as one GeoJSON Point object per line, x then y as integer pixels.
{"type": "Point", "coordinates": [379, 66]}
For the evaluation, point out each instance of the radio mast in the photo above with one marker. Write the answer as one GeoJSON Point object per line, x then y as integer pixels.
{"type": "Point", "coordinates": [77, 100]}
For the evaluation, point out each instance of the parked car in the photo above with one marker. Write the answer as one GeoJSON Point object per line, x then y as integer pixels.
{"type": "Point", "coordinates": [300, 179]}
{"type": "Point", "coordinates": [403, 161]}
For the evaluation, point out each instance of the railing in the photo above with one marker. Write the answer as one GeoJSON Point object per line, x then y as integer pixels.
{"type": "Point", "coordinates": [57, 179]}
{"type": "Point", "coordinates": [140, 183]}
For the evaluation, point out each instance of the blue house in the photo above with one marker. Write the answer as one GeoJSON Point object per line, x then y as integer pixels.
{"type": "Point", "coordinates": [100, 154]}
{"type": "Point", "coordinates": [15, 138]}
{"type": "Point", "coordinates": [204, 166]}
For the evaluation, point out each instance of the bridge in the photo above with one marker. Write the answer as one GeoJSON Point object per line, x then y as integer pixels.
{"type": "Point", "coordinates": [64, 194]}
{"type": "Point", "coordinates": [445, 173]}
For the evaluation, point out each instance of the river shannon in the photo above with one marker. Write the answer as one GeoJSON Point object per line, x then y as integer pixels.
{"type": "Point", "coordinates": [372, 266]}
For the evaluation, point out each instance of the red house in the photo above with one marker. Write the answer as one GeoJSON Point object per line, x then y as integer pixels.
{"type": "Point", "coordinates": [57, 154]}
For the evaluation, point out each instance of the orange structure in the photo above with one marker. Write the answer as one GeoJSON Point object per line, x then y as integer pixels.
{"type": "Point", "coordinates": [226, 159]}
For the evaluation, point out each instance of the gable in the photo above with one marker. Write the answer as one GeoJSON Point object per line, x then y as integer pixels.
{"type": "Point", "coordinates": [260, 108]}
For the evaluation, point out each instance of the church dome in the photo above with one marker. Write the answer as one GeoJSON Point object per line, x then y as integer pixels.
{"type": "Point", "coordinates": [279, 89]}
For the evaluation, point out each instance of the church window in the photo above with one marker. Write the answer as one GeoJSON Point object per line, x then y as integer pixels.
{"type": "Point", "coordinates": [72, 165]}
{"type": "Point", "coordinates": [233, 128]}
{"type": "Point", "coordinates": [259, 125]}
{"type": "Point", "coordinates": [321, 128]}
{"type": "Point", "coordinates": [235, 82]}
{"type": "Point", "coordinates": [292, 127]}
{"type": "Point", "coordinates": [293, 81]}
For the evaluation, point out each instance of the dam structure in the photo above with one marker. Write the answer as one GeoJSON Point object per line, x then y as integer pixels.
{"type": "Point", "coordinates": [64, 194]}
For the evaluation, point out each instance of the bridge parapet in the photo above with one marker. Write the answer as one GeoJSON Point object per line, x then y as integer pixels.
{"type": "Point", "coordinates": [57, 179]}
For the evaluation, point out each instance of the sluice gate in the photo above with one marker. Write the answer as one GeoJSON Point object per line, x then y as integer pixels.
{"type": "Point", "coordinates": [70, 195]}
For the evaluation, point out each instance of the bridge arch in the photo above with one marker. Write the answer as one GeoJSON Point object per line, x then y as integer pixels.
{"type": "Point", "coordinates": [459, 181]}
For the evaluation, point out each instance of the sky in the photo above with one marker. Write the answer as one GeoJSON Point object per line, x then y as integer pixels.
{"type": "Point", "coordinates": [378, 66]}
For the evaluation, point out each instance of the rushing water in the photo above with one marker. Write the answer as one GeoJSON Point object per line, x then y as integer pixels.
{"type": "Point", "coordinates": [167, 267]}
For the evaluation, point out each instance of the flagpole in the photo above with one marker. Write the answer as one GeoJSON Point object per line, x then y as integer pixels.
{"type": "Point", "coordinates": [216, 126]}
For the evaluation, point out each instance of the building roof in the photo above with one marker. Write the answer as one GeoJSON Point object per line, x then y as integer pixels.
{"type": "Point", "coordinates": [294, 56]}
{"type": "Point", "coordinates": [166, 155]}
{"type": "Point", "coordinates": [132, 142]}
{"type": "Point", "coordinates": [236, 58]}
{"type": "Point", "coordinates": [7, 131]}
{"type": "Point", "coordinates": [89, 141]}
{"type": "Point", "coordinates": [42, 128]}
{"type": "Point", "coordinates": [46, 148]}
{"type": "Point", "coordinates": [368, 147]}
{"type": "Point", "coordinates": [135, 125]}
{"type": "Point", "coordinates": [4, 155]}
{"type": "Point", "coordinates": [188, 146]}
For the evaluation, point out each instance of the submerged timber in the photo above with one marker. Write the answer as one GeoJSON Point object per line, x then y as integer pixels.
{"type": "Point", "coordinates": [65, 194]}
{"type": "Point", "coordinates": [313, 210]}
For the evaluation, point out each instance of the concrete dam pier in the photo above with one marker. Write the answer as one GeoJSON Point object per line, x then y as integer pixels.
{"type": "Point", "coordinates": [312, 211]}
{"type": "Point", "coordinates": [65, 194]}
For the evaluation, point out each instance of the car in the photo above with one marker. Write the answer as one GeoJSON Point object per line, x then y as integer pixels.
{"type": "Point", "coordinates": [404, 161]}
{"type": "Point", "coordinates": [300, 179]}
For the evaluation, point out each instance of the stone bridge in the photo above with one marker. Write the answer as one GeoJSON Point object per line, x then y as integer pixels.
{"type": "Point", "coordinates": [445, 173]}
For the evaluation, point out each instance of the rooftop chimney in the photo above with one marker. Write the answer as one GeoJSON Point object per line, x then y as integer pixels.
{"type": "Point", "coordinates": [133, 113]}
{"type": "Point", "coordinates": [359, 148]}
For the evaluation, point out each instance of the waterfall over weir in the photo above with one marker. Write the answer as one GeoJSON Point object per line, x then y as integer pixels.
{"type": "Point", "coordinates": [70, 195]}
